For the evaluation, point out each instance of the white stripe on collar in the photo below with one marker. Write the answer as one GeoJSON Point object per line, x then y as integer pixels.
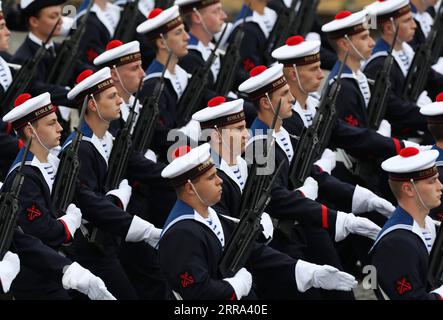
{"type": "Point", "coordinates": [110, 17]}
{"type": "Point", "coordinates": [242, 166]}
{"type": "Point", "coordinates": [5, 74]}
{"type": "Point", "coordinates": [109, 139]}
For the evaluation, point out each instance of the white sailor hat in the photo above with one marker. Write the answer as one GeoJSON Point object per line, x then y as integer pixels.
{"type": "Point", "coordinates": [27, 109]}
{"type": "Point", "coordinates": [298, 51]}
{"type": "Point", "coordinates": [89, 82]}
{"type": "Point", "coordinates": [263, 80]}
{"type": "Point", "coordinates": [434, 111]}
{"type": "Point", "coordinates": [31, 7]}
{"type": "Point", "coordinates": [188, 164]}
{"type": "Point", "coordinates": [387, 9]}
{"type": "Point", "coordinates": [117, 54]}
{"type": "Point", "coordinates": [160, 22]}
{"type": "Point", "coordinates": [187, 6]}
{"type": "Point", "coordinates": [220, 113]}
{"type": "Point", "coordinates": [411, 163]}
{"type": "Point", "coordinates": [346, 23]}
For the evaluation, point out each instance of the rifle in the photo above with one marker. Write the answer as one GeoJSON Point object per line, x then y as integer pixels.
{"type": "Point", "coordinates": [145, 126]}
{"type": "Point", "coordinates": [287, 17]}
{"type": "Point", "coordinates": [191, 99]}
{"type": "Point", "coordinates": [125, 30]}
{"type": "Point", "coordinates": [62, 68]}
{"type": "Point", "coordinates": [9, 206]}
{"type": "Point", "coordinates": [422, 63]}
{"type": "Point", "coordinates": [377, 104]}
{"type": "Point", "coordinates": [435, 274]}
{"type": "Point", "coordinates": [315, 138]}
{"type": "Point", "coordinates": [24, 76]}
{"type": "Point", "coordinates": [438, 43]}
{"type": "Point", "coordinates": [121, 150]}
{"type": "Point", "coordinates": [305, 18]}
{"type": "Point", "coordinates": [231, 62]}
{"type": "Point", "coordinates": [255, 198]}
{"type": "Point", "coordinates": [64, 184]}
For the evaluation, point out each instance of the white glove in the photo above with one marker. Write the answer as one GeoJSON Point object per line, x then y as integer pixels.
{"type": "Point", "coordinates": [423, 99]}
{"type": "Point", "coordinates": [309, 188]}
{"type": "Point", "coordinates": [241, 282]}
{"type": "Point", "coordinates": [192, 129]}
{"type": "Point", "coordinates": [327, 161]}
{"type": "Point", "coordinates": [308, 275]}
{"type": "Point", "coordinates": [1, 184]}
{"type": "Point", "coordinates": [438, 291]}
{"type": "Point", "coordinates": [78, 278]}
{"type": "Point", "coordinates": [150, 155]}
{"type": "Point", "coordinates": [141, 230]}
{"type": "Point", "coordinates": [364, 200]}
{"type": "Point", "coordinates": [123, 192]}
{"type": "Point", "coordinates": [9, 268]}
{"type": "Point", "coordinates": [384, 129]}
{"type": "Point", "coordinates": [72, 218]}
{"type": "Point", "coordinates": [268, 227]}
{"type": "Point", "coordinates": [313, 36]}
{"type": "Point", "coordinates": [408, 143]}
{"type": "Point", "coordinates": [348, 223]}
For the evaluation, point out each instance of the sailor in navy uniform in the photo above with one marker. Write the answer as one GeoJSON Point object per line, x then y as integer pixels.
{"type": "Point", "coordinates": [204, 19]}
{"type": "Point", "coordinates": [423, 20]}
{"type": "Point", "coordinates": [266, 87]}
{"type": "Point", "coordinates": [258, 26]}
{"type": "Point", "coordinates": [103, 209]}
{"type": "Point", "coordinates": [403, 115]}
{"type": "Point", "coordinates": [433, 113]}
{"type": "Point", "coordinates": [302, 71]}
{"type": "Point", "coordinates": [100, 28]}
{"type": "Point", "coordinates": [166, 30]}
{"type": "Point", "coordinates": [35, 117]}
{"type": "Point", "coordinates": [124, 60]}
{"type": "Point", "coordinates": [401, 251]}
{"type": "Point", "coordinates": [41, 17]}
{"type": "Point", "coordinates": [9, 144]}
{"type": "Point", "coordinates": [327, 53]}
{"type": "Point", "coordinates": [195, 235]}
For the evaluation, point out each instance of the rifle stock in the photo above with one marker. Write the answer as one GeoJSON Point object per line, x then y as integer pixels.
{"type": "Point", "coordinates": [125, 30]}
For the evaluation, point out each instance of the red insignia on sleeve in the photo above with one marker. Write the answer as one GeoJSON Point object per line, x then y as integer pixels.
{"type": "Point", "coordinates": [403, 286]}
{"type": "Point", "coordinates": [186, 279]}
{"type": "Point", "coordinates": [91, 55]}
{"type": "Point", "coordinates": [352, 121]}
{"type": "Point", "coordinates": [248, 65]}
{"type": "Point", "coordinates": [33, 213]}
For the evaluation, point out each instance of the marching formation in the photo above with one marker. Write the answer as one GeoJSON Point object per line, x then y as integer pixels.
{"type": "Point", "coordinates": [161, 151]}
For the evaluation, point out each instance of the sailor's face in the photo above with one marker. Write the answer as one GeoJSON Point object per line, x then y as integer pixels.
{"type": "Point", "coordinates": [364, 43]}
{"type": "Point", "coordinates": [130, 75]}
{"type": "Point", "coordinates": [430, 190]}
{"type": "Point", "coordinates": [49, 130]}
{"type": "Point", "coordinates": [4, 36]}
{"type": "Point", "coordinates": [213, 16]}
{"type": "Point", "coordinates": [310, 76]}
{"type": "Point", "coordinates": [407, 26]}
{"type": "Point", "coordinates": [177, 40]}
{"type": "Point", "coordinates": [47, 19]}
{"type": "Point", "coordinates": [235, 136]}
{"type": "Point", "coordinates": [209, 186]}
{"type": "Point", "coordinates": [109, 102]}
{"type": "Point", "coordinates": [285, 95]}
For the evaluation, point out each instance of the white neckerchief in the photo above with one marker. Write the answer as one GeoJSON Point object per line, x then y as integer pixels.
{"type": "Point", "coordinates": [307, 115]}
{"type": "Point", "coordinates": [430, 228]}
{"type": "Point", "coordinates": [243, 168]}
{"type": "Point", "coordinates": [213, 223]}
{"type": "Point", "coordinates": [36, 40]}
{"type": "Point", "coordinates": [284, 141]}
{"type": "Point", "coordinates": [364, 86]}
{"type": "Point", "coordinates": [54, 162]}
{"type": "Point", "coordinates": [109, 17]}
{"type": "Point", "coordinates": [408, 52]}
{"type": "Point", "coordinates": [179, 81]}
{"type": "Point", "coordinates": [266, 21]}
{"type": "Point", "coordinates": [125, 109]}
{"type": "Point", "coordinates": [5, 74]}
{"type": "Point", "coordinates": [206, 52]}
{"type": "Point", "coordinates": [425, 22]}
{"type": "Point", "coordinates": [145, 6]}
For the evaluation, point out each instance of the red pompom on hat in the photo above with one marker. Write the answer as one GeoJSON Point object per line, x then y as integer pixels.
{"type": "Point", "coordinates": [216, 101]}
{"type": "Point", "coordinates": [22, 99]}
{"type": "Point", "coordinates": [180, 151]}
{"type": "Point", "coordinates": [155, 12]}
{"type": "Point", "coordinates": [439, 98]}
{"type": "Point", "coordinates": [343, 14]}
{"type": "Point", "coordinates": [409, 152]}
{"type": "Point", "coordinates": [113, 44]}
{"type": "Point", "coordinates": [257, 70]}
{"type": "Point", "coordinates": [82, 76]}
{"type": "Point", "coordinates": [294, 40]}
